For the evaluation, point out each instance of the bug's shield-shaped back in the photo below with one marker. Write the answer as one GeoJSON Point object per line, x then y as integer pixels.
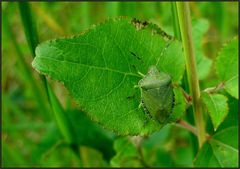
{"type": "Point", "coordinates": [157, 94]}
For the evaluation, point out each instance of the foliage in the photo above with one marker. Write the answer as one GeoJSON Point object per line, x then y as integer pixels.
{"type": "Point", "coordinates": [228, 58]}
{"type": "Point", "coordinates": [92, 117]}
{"type": "Point", "coordinates": [105, 62]}
{"type": "Point", "coordinates": [217, 107]}
{"type": "Point", "coordinates": [220, 151]}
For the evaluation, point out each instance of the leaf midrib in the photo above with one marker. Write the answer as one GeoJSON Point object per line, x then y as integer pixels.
{"type": "Point", "coordinates": [95, 67]}
{"type": "Point", "coordinates": [214, 105]}
{"type": "Point", "coordinates": [233, 77]}
{"type": "Point", "coordinates": [224, 145]}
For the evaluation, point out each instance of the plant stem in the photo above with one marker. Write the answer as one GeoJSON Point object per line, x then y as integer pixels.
{"type": "Point", "coordinates": [189, 127]}
{"type": "Point", "coordinates": [30, 32]}
{"type": "Point", "coordinates": [184, 82]}
{"type": "Point", "coordinates": [60, 117]}
{"type": "Point", "coordinates": [215, 89]}
{"type": "Point", "coordinates": [186, 34]}
{"type": "Point", "coordinates": [176, 28]}
{"type": "Point", "coordinates": [29, 26]}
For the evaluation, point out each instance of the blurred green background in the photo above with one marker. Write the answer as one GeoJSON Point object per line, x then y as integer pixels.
{"type": "Point", "coordinates": [29, 134]}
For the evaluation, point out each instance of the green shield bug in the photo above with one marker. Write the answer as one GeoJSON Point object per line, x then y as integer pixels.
{"type": "Point", "coordinates": [157, 94]}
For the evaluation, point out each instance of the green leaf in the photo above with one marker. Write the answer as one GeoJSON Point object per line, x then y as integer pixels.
{"type": "Point", "coordinates": [87, 131]}
{"type": "Point", "coordinates": [179, 105]}
{"type": "Point", "coordinates": [86, 134]}
{"type": "Point", "coordinates": [227, 67]}
{"type": "Point", "coordinates": [220, 151]}
{"type": "Point", "coordinates": [157, 139]}
{"type": "Point", "coordinates": [199, 28]}
{"type": "Point", "coordinates": [232, 117]}
{"type": "Point", "coordinates": [99, 68]}
{"type": "Point", "coordinates": [217, 107]}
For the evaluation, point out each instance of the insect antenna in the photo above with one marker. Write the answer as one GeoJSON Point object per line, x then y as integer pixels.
{"type": "Point", "coordinates": [163, 51]}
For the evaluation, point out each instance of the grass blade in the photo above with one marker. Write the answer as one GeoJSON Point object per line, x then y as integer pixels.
{"type": "Point", "coordinates": [43, 107]}
{"type": "Point", "coordinates": [29, 26]}
{"type": "Point", "coordinates": [62, 120]}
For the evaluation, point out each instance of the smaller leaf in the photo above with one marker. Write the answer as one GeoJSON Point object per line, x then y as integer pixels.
{"type": "Point", "coordinates": [232, 117]}
{"type": "Point", "coordinates": [217, 107]}
{"type": "Point", "coordinates": [154, 151]}
{"type": "Point", "coordinates": [179, 105]}
{"type": "Point", "coordinates": [227, 67]}
{"type": "Point", "coordinates": [157, 139]}
{"type": "Point", "coordinates": [87, 131]}
{"type": "Point", "coordinates": [220, 151]}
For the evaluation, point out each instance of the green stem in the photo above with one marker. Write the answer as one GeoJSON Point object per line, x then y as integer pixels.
{"type": "Point", "coordinates": [30, 32]}
{"type": "Point", "coordinates": [29, 26]}
{"type": "Point", "coordinates": [176, 28]}
{"type": "Point", "coordinates": [60, 117]}
{"type": "Point", "coordinates": [215, 89]}
{"type": "Point", "coordinates": [177, 34]}
{"type": "Point", "coordinates": [184, 83]}
{"type": "Point", "coordinates": [189, 127]}
{"type": "Point", "coordinates": [186, 32]}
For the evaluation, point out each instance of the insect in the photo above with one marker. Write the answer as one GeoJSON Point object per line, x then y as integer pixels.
{"type": "Point", "coordinates": [157, 94]}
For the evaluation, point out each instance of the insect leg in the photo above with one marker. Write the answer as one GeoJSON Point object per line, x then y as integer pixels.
{"type": "Point", "coordinates": [140, 105]}
{"type": "Point", "coordinates": [163, 51]}
{"type": "Point", "coordinates": [141, 74]}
